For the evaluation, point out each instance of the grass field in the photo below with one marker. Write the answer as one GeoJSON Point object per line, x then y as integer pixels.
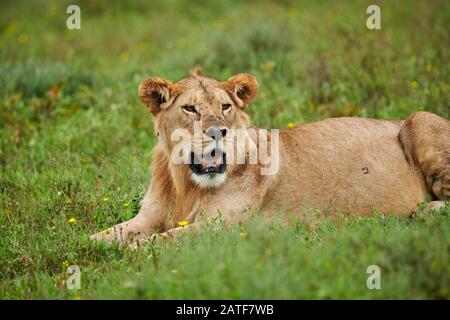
{"type": "Point", "coordinates": [76, 143]}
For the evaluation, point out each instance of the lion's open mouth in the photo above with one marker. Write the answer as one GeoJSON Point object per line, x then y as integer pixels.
{"type": "Point", "coordinates": [214, 162]}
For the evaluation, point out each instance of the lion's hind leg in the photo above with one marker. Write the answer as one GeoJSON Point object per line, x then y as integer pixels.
{"type": "Point", "coordinates": [426, 141]}
{"type": "Point", "coordinates": [436, 205]}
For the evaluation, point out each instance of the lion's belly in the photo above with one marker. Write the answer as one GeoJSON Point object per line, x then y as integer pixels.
{"type": "Point", "coordinates": [348, 165]}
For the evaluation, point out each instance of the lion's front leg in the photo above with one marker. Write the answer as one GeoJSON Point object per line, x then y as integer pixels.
{"type": "Point", "coordinates": [125, 232]}
{"type": "Point", "coordinates": [216, 208]}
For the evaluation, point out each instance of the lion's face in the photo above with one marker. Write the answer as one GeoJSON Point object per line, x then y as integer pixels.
{"type": "Point", "coordinates": [194, 119]}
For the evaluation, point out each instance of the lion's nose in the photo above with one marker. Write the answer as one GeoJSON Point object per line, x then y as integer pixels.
{"type": "Point", "coordinates": [216, 133]}
{"type": "Point", "coordinates": [224, 132]}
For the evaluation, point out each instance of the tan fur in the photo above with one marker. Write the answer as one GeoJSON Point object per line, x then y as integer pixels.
{"type": "Point", "coordinates": [337, 166]}
{"type": "Point", "coordinates": [426, 139]}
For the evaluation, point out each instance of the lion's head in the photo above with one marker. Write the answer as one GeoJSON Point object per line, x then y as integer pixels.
{"type": "Point", "coordinates": [202, 112]}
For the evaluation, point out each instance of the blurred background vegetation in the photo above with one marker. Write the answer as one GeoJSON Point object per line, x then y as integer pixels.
{"type": "Point", "coordinates": [75, 141]}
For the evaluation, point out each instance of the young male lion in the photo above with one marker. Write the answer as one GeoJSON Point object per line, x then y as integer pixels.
{"type": "Point", "coordinates": [341, 165]}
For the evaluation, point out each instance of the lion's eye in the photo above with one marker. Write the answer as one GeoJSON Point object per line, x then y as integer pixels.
{"type": "Point", "coordinates": [190, 109]}
{"type": "Point", "coordinates": [226, 106]}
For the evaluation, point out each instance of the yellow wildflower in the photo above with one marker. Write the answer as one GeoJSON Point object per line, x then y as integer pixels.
{"type": "Point", "coordinates": [72, 220]}
{"type": "Point", "coordinates": [291, 125]}
{"type": "Point", "coordinates": [429, 68]}
{"type": "Point", "coordinates": [66, 264]}
{"type": "Point", "coordinates": [105, 199]}
{"type": "Point", "coordinates": [183, 223]}
{"type": "Point", "coordinates": [244, 234]}
{"type": "Point", "coordinates": [414, 84]}
{"type": "Point", "coordinates": [23, 38]}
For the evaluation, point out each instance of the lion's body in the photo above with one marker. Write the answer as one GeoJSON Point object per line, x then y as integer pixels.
{"type": "Point", "coordinates": [346, 165]}
{"type": "Point", "coordinates": [351, 166]}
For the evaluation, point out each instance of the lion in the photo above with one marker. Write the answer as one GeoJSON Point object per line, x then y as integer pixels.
{"type": "Point", "coordinates": [352, 166]}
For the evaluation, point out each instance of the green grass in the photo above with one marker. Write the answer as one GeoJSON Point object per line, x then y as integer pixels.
{"type": "Point", "coordinates": [76, 142]}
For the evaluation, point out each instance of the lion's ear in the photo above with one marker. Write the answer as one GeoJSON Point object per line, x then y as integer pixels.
{"type": "Point", "coordinates": [244, 86]}
{"type": "Point", "coordinates": [153, 92]}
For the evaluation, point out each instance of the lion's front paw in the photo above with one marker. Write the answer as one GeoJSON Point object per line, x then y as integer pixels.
{"type": "Point", "coordinates": [156, 238]}
{"type": "Point", "coordinates": [122, 233]}
{"type": "Point", "coordinates": [103, 235]}
{"type": "Point", "coordinates": [159, 237]}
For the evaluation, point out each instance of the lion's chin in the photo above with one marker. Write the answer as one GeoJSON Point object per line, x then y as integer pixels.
{"type": "Point", "coordinates": [209, 180]}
